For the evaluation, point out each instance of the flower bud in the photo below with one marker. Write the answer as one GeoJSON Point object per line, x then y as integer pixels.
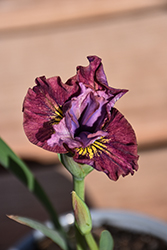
{"type": "Point", "coordinates": [82, 214]}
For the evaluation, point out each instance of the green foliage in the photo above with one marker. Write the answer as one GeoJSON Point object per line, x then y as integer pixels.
{"type": "Point", "coordinates": [106, 241]}
{"type": "Point", "coordinates": [10, 161]}
{"type": "Point", "coordinates": [54, 235]}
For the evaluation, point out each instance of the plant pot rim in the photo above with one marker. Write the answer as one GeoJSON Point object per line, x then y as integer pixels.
{"type": "Point", "coordinates": [120, 218]}
{"type": "Point", "coordinates": [132, 221]}
{"type": "Point", "coordinates": [124, 219]}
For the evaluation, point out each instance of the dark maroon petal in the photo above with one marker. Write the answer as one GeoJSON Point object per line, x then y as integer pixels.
{"type": "Point", "coordinates": [87, 74]}
{"type": "Point", "coordinates": [116, 153]}
{"type": "Point", "coordinates": [93, 76]}
{"type": "Point", "coordinates": [76, 116]}
{"type": "Point", "coordinates": [61, 92]}
{"type": "Point", "coordinates": [42, 109]}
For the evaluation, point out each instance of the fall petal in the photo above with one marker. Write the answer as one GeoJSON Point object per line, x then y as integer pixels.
{"type": "Point", "coordinates": [42, 109]}
{"type": "Point", "coordinates": [116, 153]}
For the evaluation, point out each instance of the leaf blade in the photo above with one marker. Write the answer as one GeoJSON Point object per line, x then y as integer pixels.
{"type": "Point", "coordinates": [54, 235]}
{"type": "Point", "coordinates": [106, 241]}
{"type": "Point", "coordinates": [10, 161]}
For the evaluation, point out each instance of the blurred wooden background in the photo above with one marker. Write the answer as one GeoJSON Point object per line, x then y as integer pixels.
{"type": "Point", "coordinates": [53, 37]}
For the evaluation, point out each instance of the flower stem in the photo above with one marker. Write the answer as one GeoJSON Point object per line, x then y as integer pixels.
{"type": "Point", "coordinates": [79, 188]}
{"type": "Point", "coordinates": [91, 242]}
{"type": "Point", "coordinates": [80, 240]}
{"type": "Point", "coordinates": [80, 191]}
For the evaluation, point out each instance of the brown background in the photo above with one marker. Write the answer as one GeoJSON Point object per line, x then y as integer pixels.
{"type": "Point", "coordinates": [52, 38]}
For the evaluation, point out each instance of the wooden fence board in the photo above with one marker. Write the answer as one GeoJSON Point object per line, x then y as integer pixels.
{"type": "Point", "coordinates": [134, 53]}
{"type": "Point", "coordinates": [23, 14]}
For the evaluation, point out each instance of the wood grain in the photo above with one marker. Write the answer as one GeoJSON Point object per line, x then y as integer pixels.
{"type": "Point", "coordinates": [134, 53]}
{"type": "Point", "coordinates": [23, 14]}
{"type": "Point", "coordinates": [39, 38]}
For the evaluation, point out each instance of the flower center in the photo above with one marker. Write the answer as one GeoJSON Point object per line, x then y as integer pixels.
{"type": "Point", "coordinates": [95, 149]}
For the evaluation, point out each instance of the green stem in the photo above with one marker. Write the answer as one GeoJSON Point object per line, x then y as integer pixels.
{"type": "Point", "coordinates": [91, 242]}
{"type": "Point", "coordinates": [80, 191]}
{"type": "Point", "coordinates": [80, 240]}
{"type": "Point", "coordinates": [79, 188]}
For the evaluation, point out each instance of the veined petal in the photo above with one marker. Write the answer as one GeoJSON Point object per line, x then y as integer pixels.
{"type": "Point", "coordinates": [42, 109]}
{"type": "Point", "coordinates": [116, 153]}
{"type": "Point", "coordinates": [62, 136]}
{"type": "Point", "coordinates": [87, 74]}
{"type": "Point", "coordinates": [78, 116]}
{"type": "Point", "coordinates": [93, 76]}
{"type": "Point", "coordinates": [93, 110]}
{"type": "Point", "coordinates": [85, 111]}
{"type": "Point", "coordinates": [87, 138]}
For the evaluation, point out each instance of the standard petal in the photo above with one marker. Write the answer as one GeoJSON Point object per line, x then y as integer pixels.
{"type": "Point", "coordinates": [63, 91]}
{"type": "Point", "coordinates": [93, 76]}
{"type": "Point", "coordinates": [116, 153]}
{"type": "Point", "coordinates": [84, 116]}
{"type": "Point", "coordinates": [62, 136]}
{"type": "Point", "coordinates": [87, 74]}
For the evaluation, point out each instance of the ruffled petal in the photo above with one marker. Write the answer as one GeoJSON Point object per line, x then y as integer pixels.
{"type": "Point", "coordinates": [93, 76]}
{"type": "Point", "coordinates": [116, 153]}
{"type": "Point", "coordinates": [79, 117]}
{"type": "Point", "coordinates": [87, 74]}
{"type": "Point", "coordinates": [42, 109]}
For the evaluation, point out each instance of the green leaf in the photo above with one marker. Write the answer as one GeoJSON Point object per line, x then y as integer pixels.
{"type": "Point", "coordinates": [50, 233]}
{"type": "Point", "coordinates": [10, 161]}
{"type": "Point", "coordinates": [106, 241]}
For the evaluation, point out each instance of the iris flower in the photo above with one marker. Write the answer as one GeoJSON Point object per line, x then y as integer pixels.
{"type": "Point", "coordinates": [78, 117]}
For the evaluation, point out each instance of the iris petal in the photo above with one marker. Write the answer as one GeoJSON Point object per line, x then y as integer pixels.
{"type": "Point", "coordinates": [79, 117]}
{"type": "Point", "coordinates": [42, 109]}
{"type": "Point", "coordinates": [62, 136]}
{"type": "Point", "coordinates": [116, 153]}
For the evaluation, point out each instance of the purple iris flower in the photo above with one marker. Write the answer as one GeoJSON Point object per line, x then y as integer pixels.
{"type": "Point", "coordinates": [78, 117]}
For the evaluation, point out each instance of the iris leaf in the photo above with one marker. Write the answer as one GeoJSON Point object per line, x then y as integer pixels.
{"type": "Point", "coordinates": [106, 241]}
{"type": "Point", "coordinates": [10, 161]}
{"type": "Point", "coordinates": [50, 233]}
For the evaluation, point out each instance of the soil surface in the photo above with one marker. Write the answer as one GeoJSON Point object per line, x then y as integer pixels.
{"type": "Point", "coordinates": [123, 240]}
{"type": "Point", "coordinates": [126, 240]}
